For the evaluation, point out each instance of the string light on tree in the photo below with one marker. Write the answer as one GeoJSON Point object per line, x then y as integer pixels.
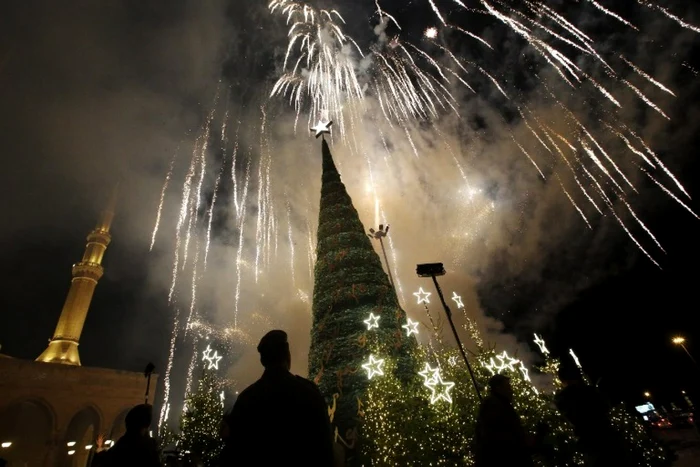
{"type": "Point", "coordinates": [411, 327]}
{"type": "Point", "coordinates": [540, 343]}
{"type": "Point", "coordinates": [372, 321]}
{"type": "Point", "coordinates": [374, 367]}
{"type": "Point", "coordinates": [458, 300]}
{"type": "Point", "coordinates": [422, 296]}
{"type": "Point", "coordinates": [212, 359]}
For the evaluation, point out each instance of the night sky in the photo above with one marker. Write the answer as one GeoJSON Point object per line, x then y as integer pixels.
{"type": "Point", "coordinates": [94, 94]}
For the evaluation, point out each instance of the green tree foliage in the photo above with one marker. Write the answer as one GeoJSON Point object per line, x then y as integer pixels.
{"type": "Point", "coordinates": [201, 421]}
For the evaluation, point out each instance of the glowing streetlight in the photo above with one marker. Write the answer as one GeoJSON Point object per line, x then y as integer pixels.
{"type": "Point", "coordinates": [6, 444]}
{"type": "Point", "coordinates": [70, 444]}
{"type": "Point", "coordinates": [647, 394]}
{"type": "Point", "coordinates": [680, 340]}
{"type": "Point", "coordinates": [71, 452]}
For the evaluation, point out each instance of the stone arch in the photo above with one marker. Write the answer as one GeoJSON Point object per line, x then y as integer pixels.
{"type": "Point", "coordinates": [118, 427]}
{"type": "Point", "coordinates": [29, 424]}
{"type": "Point", "coordinates": [78, 444]}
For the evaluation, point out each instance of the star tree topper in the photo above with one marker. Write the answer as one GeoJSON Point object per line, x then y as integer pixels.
{"type": "Point", "coordinates": [322, 128]}
{"type": "Point", "coordinates": [374, 367]}
{"type": "Point", "coordinates": [372, 321]}
{"type": "Point", "coordinates": [411, 327]}
{"type": "Point", "coordinates": [213, 360]}
{"type": "Point", "coordinates": [422, 296]}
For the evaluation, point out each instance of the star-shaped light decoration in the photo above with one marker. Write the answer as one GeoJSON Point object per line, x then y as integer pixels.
{"type": "Point", "coordinates": [524, 371]}
{"type": "Point", "coordinates": [458, 300]}
{"type": "Point", "coordinates": [573, 355]}
{"type": "Point", "coordinates": [422, 296]}
{"type": "Point", "coordinates": [452, 360]}
{"type": "Point", "coordinates": [374, 367]}
{"type": "Point", "coordinates": [372, 321]}
{"type": "Point", "coordinates": [429, 374]}
{"type": "Point", "coordinates": [440, 390]}
{"type": "Point", "coordinates": [322, 128]}
{"type": "Point", "coordinates": [540, 343]}
{"type": "Point", "coordinates": [411, 327]}
{"type": "Point", "coordinates": [492, 366]}
{"type": "Point", "coordinates": [507, 361]}
{"type": "Point", "coordinates": [212, 359]}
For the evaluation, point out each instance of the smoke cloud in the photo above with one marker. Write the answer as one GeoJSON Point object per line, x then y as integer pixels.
{"type": "Point", "coordinates": [92, 95]}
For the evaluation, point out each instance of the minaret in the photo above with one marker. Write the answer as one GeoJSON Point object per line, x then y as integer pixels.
{"type": "Point", "coordinates": [63, 347]}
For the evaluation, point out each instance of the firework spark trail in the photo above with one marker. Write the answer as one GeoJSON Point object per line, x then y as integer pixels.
{"type": "Point", "coordinates": [629, 234]}
{"type": "Point", "coordinates": [642, 225]}
{"type": "Point", "coordinates": [472, 35]}
{"type": "Point", "coordinates": [658, 161]}
{"type": "Point", "coordinates": [647, 76]}
{"type": "Point", "coordinates": [613, 14]}
{"type": "Point", "coordinates": [258, 228]}
{"type": "Point", "coordinates": [291, 240]}
{"type": "Point", "coordinates": [234, 178]}
{"type": "Point", "coordinates": [583, 216]}
{"type": "Point", "coordinates": [184, 205]}
{"type": "Point", "coordinates": [529, 157]}
{"type": "Point", "coordinates": [162, 198]}
{"type": "Point", "coordinates": [628, 143]}
{"type": "Point", "coordinates": [168, 370]}
{"type": "Point", "coordinates": [669, 193]}
{"type": "Point", "coordinates": [392, 249]}
{"type": "Point", "coordinates": [239, 251]}
{"type": "Point", "coordinates": [211, 210]}
{"type": "Point", "coordinates": [645, 99]}
{"type": "Point", "coordinates": [670, 15]}
{"type": "Point", "coordinates": [190, 368]}
{"type": "Point", "coordinates": [193, 289]}
{"type": "Point", "coordinates": [410, 140]}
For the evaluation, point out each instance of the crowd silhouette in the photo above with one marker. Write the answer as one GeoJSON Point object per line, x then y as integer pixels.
{"type": "Point", "coordinates": [282, 419]}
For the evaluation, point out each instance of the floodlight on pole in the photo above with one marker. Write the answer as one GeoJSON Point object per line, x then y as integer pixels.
{"type": "Point", "coordinates": [379, 235]}
{"type": "Point", "coordinates": [433, 270]}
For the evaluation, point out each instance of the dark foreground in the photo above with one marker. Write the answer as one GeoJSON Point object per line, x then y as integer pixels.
{"type": "Point", "coordinates": [686, 442]}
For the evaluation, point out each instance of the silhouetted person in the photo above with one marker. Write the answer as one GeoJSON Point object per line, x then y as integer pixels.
{"type": "Point", "coordinates": [589, 413]}
{"type": "Point", "coordinates": [3, 462]}
{"type": "Point", "coordinates": [136, 448]}
{"type": "Point", "coordinates": [500, 439]}
{"type": "Point", "coordinates": [281, 419]}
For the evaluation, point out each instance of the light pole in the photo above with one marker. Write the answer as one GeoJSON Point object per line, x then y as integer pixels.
{"type": "Point", "coordinates": [433, 270]}
{"type": "Point", "coordinates": [678, 340]}
{"type": "Point", "coordinates": [379, 235]}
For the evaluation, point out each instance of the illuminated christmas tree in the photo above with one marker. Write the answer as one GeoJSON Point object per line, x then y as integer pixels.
{"type": "Point", "coordinates": [356, 316]}
{"type": "Point", "coordinates": [201, 421]}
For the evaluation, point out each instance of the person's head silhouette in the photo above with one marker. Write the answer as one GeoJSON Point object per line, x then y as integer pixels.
{"type": "Point", "coordinates": [138, 420]}
{"type": "Point", "coordinates": [274, 350]}
{"type": "Point", "coordinates": [500, 385]}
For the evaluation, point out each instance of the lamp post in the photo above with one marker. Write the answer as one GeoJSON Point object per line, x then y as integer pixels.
{"type": "Point", "coordinates": [433, 270]}
{"type": "Point", "coordinates": [679, 340]}
{"type": "Point", "coordinates": [379, 235]}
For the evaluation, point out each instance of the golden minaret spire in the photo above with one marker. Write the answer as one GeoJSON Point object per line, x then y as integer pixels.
{"type": "Point", "coordinates": [63, 347]}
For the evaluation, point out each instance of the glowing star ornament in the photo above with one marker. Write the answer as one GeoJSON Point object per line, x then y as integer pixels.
{"type": "Point", "coordinates": [440, 390]}
{"type": "Point", "coordinates": [573, 355]}
{"type": "Point", "coordinates": [411, 327]}
{"type": "Point", "coordinates": [372, 321]}
{"type": "Point", "coordinates": [322, 128]}
{"type": "Point", "coordinates": [492, 366]}
{"type": "Point", "coordinates": [374, 367]}
{"type": "Point", "coordinates": [212, 359]}
{"type": "Point", "coordinates": [429, 374]}
{"type": "Point", "coordinates": [540, 343]}
{"type": "Point", "coordinates": [524, 371]}
{"type": "Point", "coordinates": [422, 296]}
{"type": "Point", "coordinates": [452, 360]}
{"type": "Point", "coordinates": [507, 361]}
{"type": "Point", "coordinates": [222, 396]}
{"type": "Point", "coordinates": [458, 300]}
